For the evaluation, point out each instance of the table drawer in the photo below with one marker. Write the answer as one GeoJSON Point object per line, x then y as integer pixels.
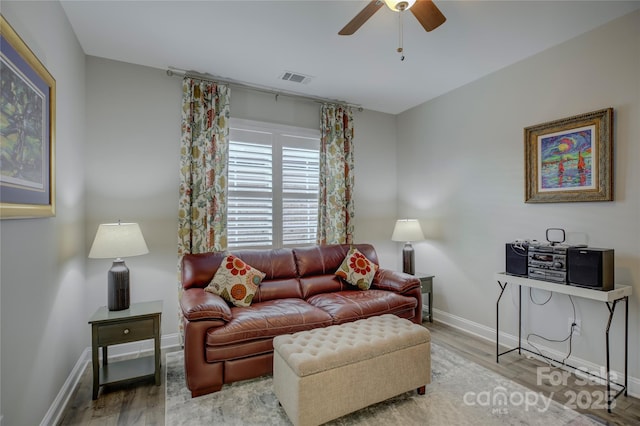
{"type": "Point", "coordinates": [426, 284]}
{"type": "Point", "coordinates": [122, 332]}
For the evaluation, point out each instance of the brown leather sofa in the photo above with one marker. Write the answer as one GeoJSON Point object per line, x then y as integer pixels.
{"type": "Point", "coordinates": [224, 343]}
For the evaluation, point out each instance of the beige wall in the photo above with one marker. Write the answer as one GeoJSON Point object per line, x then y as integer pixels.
{"type": "Point", "coordinates": [132, 155]}
{"type": "Point", "coordinates": [462, 175]}
{"type": "Point", "coordinates": [454, 162]}
{"type": "Point", "coordinates": [44, 321]}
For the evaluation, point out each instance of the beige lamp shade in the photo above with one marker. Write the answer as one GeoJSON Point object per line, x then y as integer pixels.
{"type": "Point", "coordinates": [407, 230]}
{"type": "Point", "coordinates": [116, 240]}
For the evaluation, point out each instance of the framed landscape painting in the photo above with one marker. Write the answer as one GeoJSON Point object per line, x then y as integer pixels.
{"type": "Point", "coordinates": [27, 131]}
{"type": "Point", "coordinates": [570, 159]}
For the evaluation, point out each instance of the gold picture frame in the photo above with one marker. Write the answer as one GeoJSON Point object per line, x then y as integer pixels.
{"type": "Point", "coordinates": [570, 160]}
{"type": "Point", "coordinates": [27, 131]}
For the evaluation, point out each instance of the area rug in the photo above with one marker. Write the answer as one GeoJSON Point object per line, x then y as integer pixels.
{"type": "Point", "coordinates": [461, 393]}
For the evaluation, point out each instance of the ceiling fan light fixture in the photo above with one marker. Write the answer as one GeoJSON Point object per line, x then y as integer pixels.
{"type": "Point", "coordinates": [399, 5]}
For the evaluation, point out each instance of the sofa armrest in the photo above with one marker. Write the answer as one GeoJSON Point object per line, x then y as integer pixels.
{"type": "Point", "coordinates": [197, 305]}
{"type": "Point", "coordinates": [398, 282]}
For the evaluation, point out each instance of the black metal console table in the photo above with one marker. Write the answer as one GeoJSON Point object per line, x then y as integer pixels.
{"type": "Point", "coordinates": [610, 298]}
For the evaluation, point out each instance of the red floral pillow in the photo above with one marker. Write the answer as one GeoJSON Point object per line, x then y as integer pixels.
{"type": "Point", "coordinates": [235, 281]}
{"type": "Point", "coordinates": [357, 270]}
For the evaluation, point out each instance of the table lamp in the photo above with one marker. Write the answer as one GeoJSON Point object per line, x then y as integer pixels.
{"type": "Point", "coordinates": [118, 240]}
{"type": "Point", "coordinates": [407, 230]}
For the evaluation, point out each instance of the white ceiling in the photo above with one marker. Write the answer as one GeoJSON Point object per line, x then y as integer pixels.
{"type": "Point", "coordinates": [256, 41]}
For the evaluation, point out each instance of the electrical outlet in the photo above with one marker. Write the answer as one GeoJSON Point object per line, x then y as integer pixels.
{"type": "Point", "coordinates": [577, 328]}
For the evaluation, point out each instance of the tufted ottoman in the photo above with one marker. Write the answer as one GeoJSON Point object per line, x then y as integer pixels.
{"type": "Point", "coordinates": [325, 373]}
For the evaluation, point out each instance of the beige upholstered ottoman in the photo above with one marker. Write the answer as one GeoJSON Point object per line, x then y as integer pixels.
{"type": "Point", "coordinates": [325, 373]}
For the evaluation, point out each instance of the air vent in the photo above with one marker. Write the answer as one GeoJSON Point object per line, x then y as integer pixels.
{"type": "Point", "coordinates": [295, 77]}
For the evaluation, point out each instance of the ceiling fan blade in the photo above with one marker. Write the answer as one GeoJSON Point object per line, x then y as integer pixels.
{"type": "Point", "coordinates": [361, 17]}
{"type": "Point", "coordinates": [428, 14]}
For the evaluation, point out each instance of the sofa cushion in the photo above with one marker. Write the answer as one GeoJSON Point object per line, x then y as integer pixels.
{"type": "Point", "coordinates": [278, 289]}
{"type": "Point", "coordinates": [198, 269]}
{"type": "Point", "coordinates": [280, 281]}
{"type": "Point", "coordinates": [351, 305]}
{"type": "Point", "coordinates": [357, 270]}
{"type": "Point", "coordinates": [322, 284]}
{"type": "Point", "coordinates": [322, 260]}
{"type": "Point", "coordinates": [268, 319]}
{"type": "Point", "coordinates": [279, 266]}
{"type": "Point", "coordinates": [317, 266]}
{"type": "Point", "coordinates": [235, 281]}
{"type": "Point", "coordinates": [276, 263]}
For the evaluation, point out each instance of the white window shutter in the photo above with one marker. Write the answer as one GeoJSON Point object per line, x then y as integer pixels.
{"type": "Point", "coordinates": [273, 185]}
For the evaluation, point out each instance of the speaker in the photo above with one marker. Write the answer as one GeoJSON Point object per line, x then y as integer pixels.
{"type": "Point", "coordinates": [516, 259]}
{"type": "Point", "coordinates": [590, 267]}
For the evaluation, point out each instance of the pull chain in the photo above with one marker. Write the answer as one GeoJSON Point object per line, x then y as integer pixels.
{"type": "Point", "coordinates": [400, 41]}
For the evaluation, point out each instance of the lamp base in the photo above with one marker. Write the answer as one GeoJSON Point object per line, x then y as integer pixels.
{"type": "Point", "coordinates": [408, 266]}
{"type": "Point", "coordinates": [118, 286]}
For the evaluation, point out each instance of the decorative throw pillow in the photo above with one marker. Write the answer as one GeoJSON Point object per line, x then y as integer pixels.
{"type": "Point", "coordinates": [357, 270]}
{"type": "Point", "coordinates": [235, 281]}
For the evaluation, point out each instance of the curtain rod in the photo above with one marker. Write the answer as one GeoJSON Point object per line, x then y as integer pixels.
{"type": "Point", "coordinates": [177, 72]}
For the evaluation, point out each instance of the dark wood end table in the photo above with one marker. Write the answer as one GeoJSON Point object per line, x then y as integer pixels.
{"type": "Point", "coordinates": [426, 285]}
{"type": "Point", "coordinates": [140, 322]}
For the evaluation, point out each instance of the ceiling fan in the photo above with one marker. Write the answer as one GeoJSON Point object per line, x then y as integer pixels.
{"type": "Point", "coordinates": [425, 12]}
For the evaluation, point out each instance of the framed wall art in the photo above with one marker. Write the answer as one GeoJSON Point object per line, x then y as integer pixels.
{"type": "Point", "coordinates": [27, 131]}
{"type": "Point", "coordinates": [570, 159]}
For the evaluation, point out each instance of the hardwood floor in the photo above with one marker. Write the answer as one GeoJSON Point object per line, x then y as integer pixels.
{"type": "Point", "coordinates": [131, 403]}
{"type": "Point", "coordinates": [523, 370]}
{"type": "Point", "coordinates": [142, 403]}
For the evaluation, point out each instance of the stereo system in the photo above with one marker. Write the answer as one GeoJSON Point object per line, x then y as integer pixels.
{"type": "Point", "coordinates": [547, 262]}
{"type": "Point", "coordinates": [563, 264]}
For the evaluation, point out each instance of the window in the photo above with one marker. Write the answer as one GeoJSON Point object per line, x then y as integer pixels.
{"type": "Point", "coordinates": [273, 185]}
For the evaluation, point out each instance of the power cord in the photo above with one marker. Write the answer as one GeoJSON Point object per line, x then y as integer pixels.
{"type": "Point", "coordinates": [568, 338]}
{"type": "Point", "coordinates": [536, 303]}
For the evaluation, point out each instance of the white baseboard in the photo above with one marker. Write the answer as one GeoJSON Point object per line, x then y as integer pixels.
{"type": "Point", "coordinates": [511, 341]}
{"type": "Point", "coordinates": [54, 414]}
{"type": "Point", "coordinates": [56, 410]}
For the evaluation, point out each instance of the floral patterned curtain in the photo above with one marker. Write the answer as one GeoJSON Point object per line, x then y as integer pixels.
{"type": "Point", "coordinates": [202, 204]}
{"type": "Point", "coordinates": [336, 206]}
{"type": "Point", "coordinates": [202, 210]}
